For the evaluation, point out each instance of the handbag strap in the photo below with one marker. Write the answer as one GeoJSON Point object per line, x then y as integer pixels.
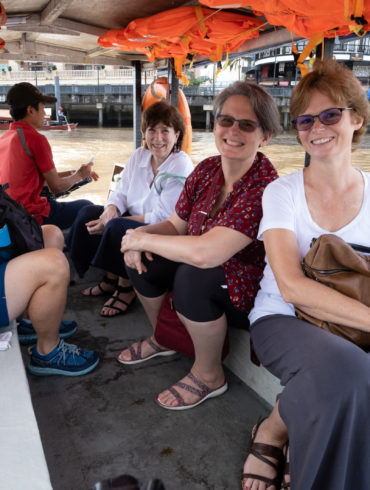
{"type": "Point", "coordinates": [355, 246]}
{"type": "Point", "coordinates": [202, 215]}
{"type": "Point", "coordinates": [360, 248]}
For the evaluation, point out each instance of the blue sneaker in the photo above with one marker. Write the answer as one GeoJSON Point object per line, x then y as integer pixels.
{"type": "Point", "coordinates": [28, 336]}
{"type": "Point", "coordinates": [67, 359]}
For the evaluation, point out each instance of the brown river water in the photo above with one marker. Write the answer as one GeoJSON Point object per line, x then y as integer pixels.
{"type": "Point", "coordinates": [111, 145]}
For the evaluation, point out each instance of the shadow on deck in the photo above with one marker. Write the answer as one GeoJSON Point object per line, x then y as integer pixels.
{"type": "Point", "coordinates": [106, 423]}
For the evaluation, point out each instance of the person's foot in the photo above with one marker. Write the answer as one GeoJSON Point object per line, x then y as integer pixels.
{"type": "Point", "coordinates": [65, 359]}
{"type": "Point", "coordinates": [191, 391]}
{"type": "Point", "coordinates": [285, 484]}
{"type": "Point", "coordinates": [28, 336]}
{"type": "Point", "coordinates": [142, 351]}
{"type": "Point", "coordinates": [264, 465]}
{"type": "Point", "coordinates": [120, 302]}
{"type": "Point", "coordinates": [106, 286]}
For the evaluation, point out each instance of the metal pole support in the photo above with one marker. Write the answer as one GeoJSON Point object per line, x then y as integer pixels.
{"type": "Point", "coordinates": [137, 105]}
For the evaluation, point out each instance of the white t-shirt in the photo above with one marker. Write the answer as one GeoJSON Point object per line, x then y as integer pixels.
{"type": "Point", "coordinates": [133, 193]}
{"type": "Point", "coordinates": [284, 206]}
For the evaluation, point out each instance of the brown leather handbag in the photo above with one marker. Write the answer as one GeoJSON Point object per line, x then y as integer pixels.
{"type": "Point", "coordinates": [344, 267]}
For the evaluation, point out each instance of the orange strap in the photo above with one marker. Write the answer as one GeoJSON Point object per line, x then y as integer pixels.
{"type": "Point", "coordinates": [3, 17]}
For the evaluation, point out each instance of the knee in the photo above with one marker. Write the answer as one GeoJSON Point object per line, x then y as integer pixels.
{"type": "Point", "coordinates": [87, 213]}
{"type": "Point", "coordinates": [53, 265]}
{"type": "Point", "coordinates": [114, 227]}
{"type": "Point", "coordinates": [53, 237]}
{"type": "Point", "coordinates": [342, 372]}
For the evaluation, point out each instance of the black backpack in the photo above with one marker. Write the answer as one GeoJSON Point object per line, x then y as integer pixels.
{"type": "Point", "coordinates": [24, 231]}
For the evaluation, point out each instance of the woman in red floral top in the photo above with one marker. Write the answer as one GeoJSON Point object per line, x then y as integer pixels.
{"type": "Point", "coordinates": [213, 264]}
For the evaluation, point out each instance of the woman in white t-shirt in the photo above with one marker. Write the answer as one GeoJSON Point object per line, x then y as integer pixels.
{"type": "Point", "coordinates": [323, 409]}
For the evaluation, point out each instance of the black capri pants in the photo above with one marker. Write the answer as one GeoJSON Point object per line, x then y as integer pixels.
{"type": "Point", "coordinates": [200, 295]}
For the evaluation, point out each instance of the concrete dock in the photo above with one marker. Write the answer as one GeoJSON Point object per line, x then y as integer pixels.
{"type": "Point", "coordinates": [106, 423]}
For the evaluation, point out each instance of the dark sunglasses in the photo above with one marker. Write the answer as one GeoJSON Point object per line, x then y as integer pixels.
{"type": "Point", "coordinates": [245, 125]}
{"type": "Point", "coordinates": [327, 117]}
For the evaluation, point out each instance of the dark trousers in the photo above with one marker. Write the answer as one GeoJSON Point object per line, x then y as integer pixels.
{"type": "Point", "coordinates": [200, 295]}
{"type": "Point", "coordinates": [102, 251]}
{"type": "Point", "coordinates": [63, 214]}
{"type": "Point", "coordinates": [325, 402]}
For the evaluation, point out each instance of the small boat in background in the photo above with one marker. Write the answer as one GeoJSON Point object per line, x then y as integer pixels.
{"type": "Point", "coordinates": [55, 125]}
{"type": "Point", "coordinates": [5, 120]}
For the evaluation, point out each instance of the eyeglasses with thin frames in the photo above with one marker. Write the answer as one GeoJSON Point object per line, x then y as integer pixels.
{"type": "Point", "coordinates": [327, 117]}
{"type": "Point", "coordinates": [245, 125]}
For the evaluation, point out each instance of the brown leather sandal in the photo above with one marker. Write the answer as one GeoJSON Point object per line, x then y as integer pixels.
{"type": "Point", "coordinates": [285, 484]}
{"type": "Point", "coordinates": [260, 451]}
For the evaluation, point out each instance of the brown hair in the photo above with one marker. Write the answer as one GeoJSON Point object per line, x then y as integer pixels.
{"type": "Point", "coordinates": [337, 82]}
{"type": "Point", "coordinates": [262, 103]}
{"type": "Point", "coordinates": [167, 114]}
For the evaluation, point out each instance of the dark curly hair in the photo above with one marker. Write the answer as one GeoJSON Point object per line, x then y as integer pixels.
{"type": "Point", "coordinates": [167, 114]}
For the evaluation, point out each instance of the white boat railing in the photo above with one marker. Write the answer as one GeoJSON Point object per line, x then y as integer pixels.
{"type": "Point", "coordinates": [124, 76]}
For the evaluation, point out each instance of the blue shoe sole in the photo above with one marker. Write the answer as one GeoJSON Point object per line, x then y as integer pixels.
{"type": "Point", "coordinates": [30, 339]}
{"type": "Point", "coordinates": [44, 371]}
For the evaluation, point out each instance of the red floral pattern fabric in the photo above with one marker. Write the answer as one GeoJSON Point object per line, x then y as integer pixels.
{"type": "Point", "coordinates": [241, 211]}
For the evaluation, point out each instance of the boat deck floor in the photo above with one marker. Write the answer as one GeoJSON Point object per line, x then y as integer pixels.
{"type": "Point", "coordinates": [106, 423]}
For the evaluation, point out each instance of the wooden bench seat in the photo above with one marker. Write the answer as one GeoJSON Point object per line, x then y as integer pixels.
{"type": "Point", "coordinates": [22, 459]}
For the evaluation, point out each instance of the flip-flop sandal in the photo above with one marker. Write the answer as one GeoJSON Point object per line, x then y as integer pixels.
{"type": "Point", "coordinates": [116, 299]}
{"type": "Point", "coordinates": [136, 357]}
{"type": "Point", "coordinates": [204, 393]}
{"type": "Point", "coordinates": [102, 292]}
{"type": "Point", "coordinates": [260, 450]}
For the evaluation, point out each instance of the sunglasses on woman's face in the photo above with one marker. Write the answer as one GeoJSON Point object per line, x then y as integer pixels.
{"type": "Point", "coordinates": [245, 125]}
{"type": "Point", "coordinates": [327, 117]}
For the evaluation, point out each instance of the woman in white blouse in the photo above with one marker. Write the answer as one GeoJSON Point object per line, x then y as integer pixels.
{"type": "Point", "coordinates": [146, 193]}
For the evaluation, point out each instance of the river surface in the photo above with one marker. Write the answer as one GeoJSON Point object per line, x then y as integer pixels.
{"type": "Point", "coordinates": [114, 145]}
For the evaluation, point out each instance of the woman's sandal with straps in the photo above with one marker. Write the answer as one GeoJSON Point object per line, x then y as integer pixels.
{"type": "Point", "coordinates": [102, 291]}
{"type": "Point", "coordinates": [262, 452]}
{"type": "Point", "coordinates": [285, 484]}
{"type": "Point", "coordinates": [115, 299]}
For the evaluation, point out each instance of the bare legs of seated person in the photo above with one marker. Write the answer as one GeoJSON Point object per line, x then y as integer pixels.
{"type": "Point", "coordinates": [53, 237]}
{"type": "Point", "coordinates": [206, 376]}
{"type": "Point", "coordinates": [37, 282]}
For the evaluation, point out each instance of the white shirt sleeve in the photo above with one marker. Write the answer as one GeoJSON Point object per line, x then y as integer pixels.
{"type": "Point", "coordinates": [278, 205]}
{"type": "Point", "coordinates": [121, 195]}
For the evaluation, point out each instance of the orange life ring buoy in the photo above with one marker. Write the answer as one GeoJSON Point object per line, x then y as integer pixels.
{"type": "Point", "coordinates": [158, 90]}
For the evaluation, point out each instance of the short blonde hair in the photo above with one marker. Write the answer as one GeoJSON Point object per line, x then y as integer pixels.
{"type": "Point", "coordinates": [337, 82]}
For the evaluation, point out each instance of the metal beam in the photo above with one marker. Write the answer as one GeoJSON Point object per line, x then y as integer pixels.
{"type": "Point", "coordinates": [53, 10]}
{"type": "Point", "coordinates": [98, 51]}
{"type": "Point", "coordinates": [59, 26]}
{"type": "Point", "coordinates": [266, 40]}
{"type": "Point", "coordinates": [137, 105]}
{"type": "Point", "coordinates": [75, 58]}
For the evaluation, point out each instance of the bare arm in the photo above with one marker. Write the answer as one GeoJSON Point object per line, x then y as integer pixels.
{"type": "Point", "coordinates": [312, 297]}
{"type": "Point", "coordinates": [60, 182]}
{"type": "Point", "coordinates": [209, 250]}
